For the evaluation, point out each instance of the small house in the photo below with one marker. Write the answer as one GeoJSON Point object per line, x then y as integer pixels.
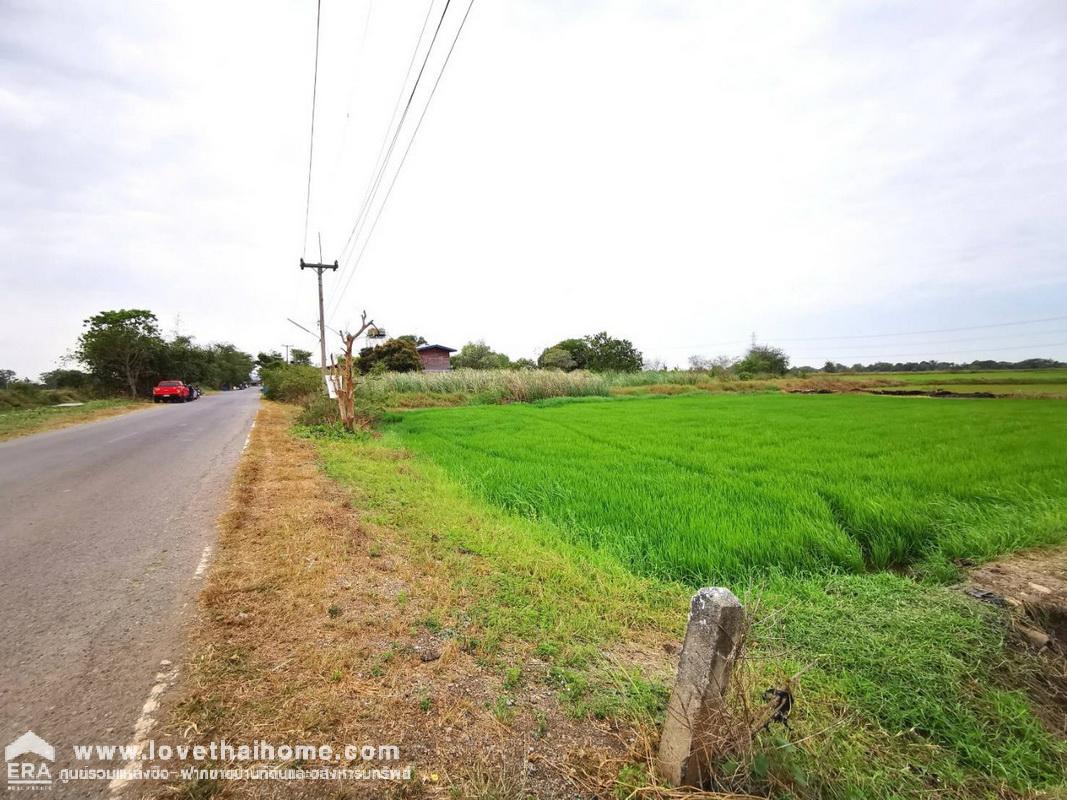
{"type": "Point", "coordinates": [435, 357]}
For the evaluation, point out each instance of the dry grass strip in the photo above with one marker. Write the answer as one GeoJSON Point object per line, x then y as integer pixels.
{"type": "Point", "coordinates": [309, 631]}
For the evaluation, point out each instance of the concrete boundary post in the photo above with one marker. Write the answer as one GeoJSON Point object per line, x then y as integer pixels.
{"type": "Point", "coordinates": [696, 726]}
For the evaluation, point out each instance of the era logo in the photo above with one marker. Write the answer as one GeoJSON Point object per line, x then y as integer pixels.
{"type": "Point", "coordinates": [24, 773]}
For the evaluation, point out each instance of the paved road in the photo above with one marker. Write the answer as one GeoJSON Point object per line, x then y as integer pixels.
{"type": "Point", "coordinates": [102, 528]}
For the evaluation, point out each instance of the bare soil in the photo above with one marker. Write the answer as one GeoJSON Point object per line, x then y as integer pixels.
{"type": "Point", "coordinates": [1033, 586]}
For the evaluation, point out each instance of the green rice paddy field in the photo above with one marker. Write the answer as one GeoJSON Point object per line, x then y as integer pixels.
{"type": "Point", "coordinates": [718, 488]}
{"type": "Point", "coordinates": [577, 526]}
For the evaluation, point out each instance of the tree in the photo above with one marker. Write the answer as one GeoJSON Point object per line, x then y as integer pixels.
{"type": "Point", "coordinates": [556, 358]}
{"type": "Point", "coordinates": [7, 377]}
{"type": "Point", "coordinates": [344, 375]}
{"type": "Point", "coordinates": [118, 347]}
{"type": "Point", "coordinates": [577, 351]}
{"type": "Point", "coordinates": [268, 359]}
{"type": "Point", "coordinates": [300, 357]}
{"type": "Point", "coordinates": [181, 360]}
{"type": "Point", "coordinates": [599, 352]}
{"type": "Point", "coordinates": [763, 360]}
{"type": "Point", "coordinates": [415, 339]}
{"type": "Point", "coordinates": [612, 355]}
{"type": "Point", "coordinates": [395, 355]}
{"type": "Point", "coordinates": [523, 363]}
{"type": "Point", "coordinates": [229, 366]}
{"type": "Point", "coordinates": [699, 364]}
{"type": "Point", "coordinates": [65, 379]}
{"type": "Point", "coordinates": [478, 355]}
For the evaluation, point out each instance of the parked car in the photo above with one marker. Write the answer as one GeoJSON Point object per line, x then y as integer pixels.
{"type": "Point", "coordinates": [172, 392]}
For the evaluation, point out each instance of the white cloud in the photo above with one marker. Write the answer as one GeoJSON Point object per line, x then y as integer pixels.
{"type": "Point", "coordinates": [676, 173]}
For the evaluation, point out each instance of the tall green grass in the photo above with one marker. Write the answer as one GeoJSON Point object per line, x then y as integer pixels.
{"type": "Point", "coordinates": [706, 488]}
{"type": "Point", "coordinates": [26, 396]}
{"type": "Point", "coordinates": [464, 386]}
{"type": "Point", "coordinates": [523, 386]}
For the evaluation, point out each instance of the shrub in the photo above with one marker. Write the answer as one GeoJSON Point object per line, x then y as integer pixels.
{"type": "Point", "coordinates": [479, 355]}
{"type": "Point", "coordinates": [23, 394]}
{"type": "Point", "coordinates": [557, 358]}
{"type": "Point", "coordinates": [291, 383]}
{"type": "Point", "coordinates": [321, 412]}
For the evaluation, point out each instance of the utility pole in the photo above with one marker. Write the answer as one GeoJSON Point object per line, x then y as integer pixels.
{"type": "Point", "coordinates": [319, 268]}
{"type": "Point", "coordinates": [286, 346]}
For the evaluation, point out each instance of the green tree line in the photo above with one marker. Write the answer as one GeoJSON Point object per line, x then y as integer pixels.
{"type": "Point", "coordinates": [124, 352]}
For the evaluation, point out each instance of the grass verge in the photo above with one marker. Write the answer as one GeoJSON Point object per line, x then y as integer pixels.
{"type": "Point", "coordinates": [22, 422]}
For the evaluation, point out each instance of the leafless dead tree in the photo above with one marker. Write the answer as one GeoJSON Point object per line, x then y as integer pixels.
{"type": "Point", "coordinates": [343, 375]}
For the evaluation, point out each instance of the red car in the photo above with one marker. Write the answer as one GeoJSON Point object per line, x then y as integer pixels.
{"type": "Point", "coordinates": [171, 392]}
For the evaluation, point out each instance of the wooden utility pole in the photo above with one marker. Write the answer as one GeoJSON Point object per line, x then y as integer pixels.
{"type": "Point", "coordinates": [319, 268]}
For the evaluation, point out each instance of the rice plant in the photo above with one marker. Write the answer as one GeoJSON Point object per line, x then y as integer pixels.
{"type": "Point", "coordinates": [713, 487]}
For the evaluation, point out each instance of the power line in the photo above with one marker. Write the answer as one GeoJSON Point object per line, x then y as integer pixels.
{"type": "Point", "coordinates": [376, 182]}
{"type": "Point", "coordinates": [355, 85]}
{"type": "Point", "coordinates": [378, 161]}
{"type": "Point", "coordinates": [403, 158]}
{"type": "Point", "coordinates": [927, 350]}
{"type": "Point", "coordinates": [969, 339]}
{"type": "Point", "coordinates": [358, 227]}
{"type": "Point", "coordinates": [923, 333]}
{"type": "Point", "coordinates": [777, 339]}
{"type": "Point", "coordinates": [311, 138]}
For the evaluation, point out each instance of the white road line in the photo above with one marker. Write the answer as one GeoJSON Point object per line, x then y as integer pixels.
{"type": "Point", "coordinates": [248, 439]}
{"type": "Point", "coordinates": [205, 558]}
{"type": "Point", "coordinates": [145, 722]}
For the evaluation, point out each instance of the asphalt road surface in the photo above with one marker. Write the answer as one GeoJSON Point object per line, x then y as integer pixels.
{"type": "Point", "coordinates": [103, 527]}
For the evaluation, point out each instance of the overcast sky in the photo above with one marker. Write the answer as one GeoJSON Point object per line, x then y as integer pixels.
{"type": "Point", "coordinates": [679, 173]}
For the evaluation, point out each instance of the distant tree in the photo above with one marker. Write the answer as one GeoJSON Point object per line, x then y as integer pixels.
{"type": "Point", "coordinates": [556, 358]}
{"type": "Point", "coordinates": [269, 358]}
{"type": "Point", "coordinates": [416, 340]}
{"type": "Point", "coordinates": [66, 379]}
{"type": "Point", "coordinates": [118, 347]}
{"type": "Point", "coordinates": [229, 366]}
{"type": "Point", "coordinates": [523, 363]}
{"type": "Point", "coordinates": [7, 377]}
{"type": "Point", "coordinates": [479, 355]}
{"type": "Point", "coordinates": [607, 354]}
{"type": "Point", "coordinates": [763, 360]}
{"type": "Point", "coordinates": [394, 355]}
{"type": "Point", "coordinates": [654, 365]}
{"type": "Point", "coordinates": [577, 351]}
{"type": "Point", "coordinates": [300, 357]}
{"type": "Point", "coordinates": [180, 359]}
